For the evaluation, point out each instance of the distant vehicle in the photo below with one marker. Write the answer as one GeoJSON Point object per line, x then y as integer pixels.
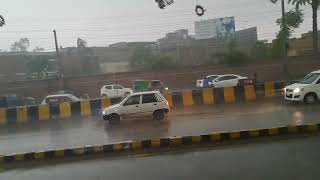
{"type": "Point", "coordinates": [206, 81]}
{"type": "Point", "coordinates": [54, 100]}
{"type": "Point", "coordinates": [149, 85]}
{"type": "Point", "coordinates": [227, 80]}
{"type": "Point", "coordinates": [142, 104]}
{"type": "Point", "coordinates": [13, 100]}
{"type": "Point", "coordinates": [307, 90]}
{"type": "Point", "coordinates": [113, 91]}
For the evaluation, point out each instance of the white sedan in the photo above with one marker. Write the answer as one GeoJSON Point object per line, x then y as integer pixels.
{"type": "Point", "coordinates": [113, 91]}
{"type": "Point", "coordinates": [151, 103]}
{"type": "Point", "coordinates": [227, 80]}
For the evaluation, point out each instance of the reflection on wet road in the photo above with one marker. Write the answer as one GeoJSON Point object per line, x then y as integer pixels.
{"type": "Point", "coordinates": [189, 121]}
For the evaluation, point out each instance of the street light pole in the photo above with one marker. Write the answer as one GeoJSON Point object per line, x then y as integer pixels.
{"type": "Point", "coordinates": [285, 40]}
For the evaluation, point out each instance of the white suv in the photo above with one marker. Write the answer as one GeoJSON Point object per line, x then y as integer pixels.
{"type": "Point", "coordinates": [113, 91]}
{"type": "Point", "coordinates": [151, 103]}
{"type": "Point", "coordinates": [307, 90]}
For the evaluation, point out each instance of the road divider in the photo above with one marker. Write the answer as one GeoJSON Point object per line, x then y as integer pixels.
{"type": "Point", "coordinates": [207, 96]}
{"type": "Point", "coordinates": [170, 142]}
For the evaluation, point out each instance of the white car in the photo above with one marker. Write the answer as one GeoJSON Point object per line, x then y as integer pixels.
{"type": "Point", "coordinates": [227, 80]}
{"type": "Point", "coordinates": [307, 90]}
{"type": "Point", "coordinates": [201, 82]}
{"type": "Point", "coordinates": [113, 91]}
{"type": "Point", "coordinates": [54, 100]}
{"type": "Point", "coordinates": [151, 103]}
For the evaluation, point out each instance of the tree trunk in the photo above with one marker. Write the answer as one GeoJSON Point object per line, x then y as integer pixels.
{"type": "Point", "coordinates": [315, 5]}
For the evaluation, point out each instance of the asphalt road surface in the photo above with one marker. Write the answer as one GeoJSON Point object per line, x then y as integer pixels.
{"type": "Point", "coordinates": [295, 159]}
{"type": "Point", "coordinates": [70, 133]}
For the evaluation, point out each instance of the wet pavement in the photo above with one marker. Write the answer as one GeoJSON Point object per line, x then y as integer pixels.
{"type": "Point", "coordinates": [71, 133]}
{"type": "Point", "coordinates": [295, 159]}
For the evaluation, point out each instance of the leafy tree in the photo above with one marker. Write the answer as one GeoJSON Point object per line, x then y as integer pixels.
{"type": "Point", "coordinates": [20, 46]}
{"type": "Point", "coordinates": [232, 56]}
{"type": "Point", "coordinates": [38, 49]}
{"type": "Point", "coordinates": [262, 50]}
{"type": "Point", "coordinates": [2, 21]}
{"type": "Point", "coordinates": [315, 7]}
{"type": "Point", "coordinates": [81, 43]}
{"type": "Point", "coordinates": [144, 58]}
{"type": "Point", "coordinates": [294, 18]}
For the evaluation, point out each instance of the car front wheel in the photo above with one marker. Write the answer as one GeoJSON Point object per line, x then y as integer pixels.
{"type": "Point", "coordinates": [114, 119]}
{"type": "Point", "coordinates": [158, 115]}
{"type": "Point", "coordinates": [310, 99]}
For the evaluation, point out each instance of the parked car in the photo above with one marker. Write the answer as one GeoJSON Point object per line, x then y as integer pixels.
{"type": "Point", "coordinates": [206, 81]}
{"type": "Point", "coordinates": [113, 91]}
{"type": "Point", "coordinates": [227, 80]}
{"type": "Point", "coordinates": [54, 100]}
{"type": "Point", "coordinates": [150, 103]}
{"type": "Point", "coordinates": [13, 100]}
{"type": "Point", "coordinates": [307, 90]}
{"type": "Point", "coordinates": [148, 85]}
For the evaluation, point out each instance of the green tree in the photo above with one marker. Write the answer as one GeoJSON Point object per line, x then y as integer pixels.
{"type": "Point", "coordinates": [294, 18]}
{"type": "Point", "coordinates": [2, 21]}
{"type": "Point", "coordinates": [232, 56]}
{"type": "Point", "coordinates": [262, 50]}
{"type": "Point", "coordinates": [38, 49]}
{"type": "Point", "coordinates": [315, 7]}
{"type": "Point", "coordinates": [20, 46]}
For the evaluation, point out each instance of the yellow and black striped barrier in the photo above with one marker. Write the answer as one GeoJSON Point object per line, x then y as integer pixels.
{"type": "Point", "coordinates": [177, 99]}
{"type": "Point", "coordinates": [209, 96]}
{"type": "Point", "coordinates": [61, 111]}
{"type": "Point", "coordinates": [171, 142]}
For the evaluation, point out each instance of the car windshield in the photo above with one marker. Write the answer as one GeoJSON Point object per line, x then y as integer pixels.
{"type": "Point", "coordinates": [212, 77]}
{"type": "Point", "coordinates": [310, 78]}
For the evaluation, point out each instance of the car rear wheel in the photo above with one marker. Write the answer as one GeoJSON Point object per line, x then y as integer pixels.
{"type": "Point", "coordinates": [158, 115]}
{"type": "Point", "coordinates": [114, 119]}
{"type": "Point", "coordinates": [310, 99]}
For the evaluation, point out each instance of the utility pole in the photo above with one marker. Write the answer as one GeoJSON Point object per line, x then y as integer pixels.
{"type": "Point", "coordinates": [59, 63]}
{"type": "Point", "coordinates": [285, 40]}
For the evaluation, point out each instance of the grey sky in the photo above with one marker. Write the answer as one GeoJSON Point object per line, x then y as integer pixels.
{"type": "Point", "coordinates": [102, 22]}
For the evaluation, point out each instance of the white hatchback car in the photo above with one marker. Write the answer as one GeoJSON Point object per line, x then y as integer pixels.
{"type": "Point", "coordinates": [113, 91]}
{"type": "Point", "coordinates": [151, 103]}
{"type": "Point", "coordinates": [307, 90]}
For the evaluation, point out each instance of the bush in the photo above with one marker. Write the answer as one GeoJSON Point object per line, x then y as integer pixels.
{"type": "Point", "coordinates": [232, 58]}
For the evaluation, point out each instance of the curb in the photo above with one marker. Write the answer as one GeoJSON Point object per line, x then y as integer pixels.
{"type": "Point", "coordinates": [171, 142]}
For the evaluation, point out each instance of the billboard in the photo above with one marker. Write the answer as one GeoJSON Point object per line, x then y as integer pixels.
{"type": "Point", "coordinates": [225, 27]}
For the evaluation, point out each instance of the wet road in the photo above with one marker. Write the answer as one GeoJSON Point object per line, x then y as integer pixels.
{"type": "Point", "coordinates": [72, 133]}
{"type": "Point", "coordinates": [295, 159]}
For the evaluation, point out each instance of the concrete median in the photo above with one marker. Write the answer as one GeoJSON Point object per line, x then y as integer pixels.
{"type": "Point", "coordinates": [208, 96]}
{"type": "Point", "coordinates": [169, 142]}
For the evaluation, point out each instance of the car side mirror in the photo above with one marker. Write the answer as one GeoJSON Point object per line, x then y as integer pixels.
{"type": "Point", "coordinates": [217, 80]}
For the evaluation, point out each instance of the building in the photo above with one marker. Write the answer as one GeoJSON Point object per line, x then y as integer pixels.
{"type": "Point", "coordinates": [212, 28]}
{"type": "Point", "coordinates": [200, 51]}
{"type": "Point", "coordinates": [175, 37]}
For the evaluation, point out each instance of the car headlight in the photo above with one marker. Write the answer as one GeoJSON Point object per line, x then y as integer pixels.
{"type": "Point", "coordinates": [296, 90]}
{"type": "Point", "coordinates": [104, 112]}
{"type": "Point", "coordinates": [166, 88]}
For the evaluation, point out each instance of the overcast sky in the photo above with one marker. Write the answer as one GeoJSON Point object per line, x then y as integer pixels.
{"type": "Point", "coordinates": [102, 22]}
